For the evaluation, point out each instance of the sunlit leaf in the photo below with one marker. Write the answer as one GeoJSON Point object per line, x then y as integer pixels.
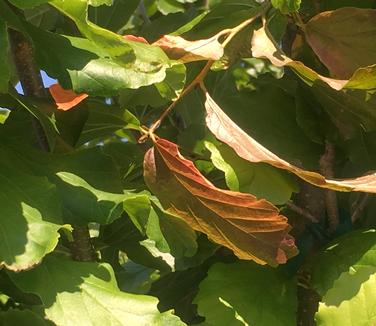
{"type": "Point", "coordinates": [264, 47]}
{"type": "Point", "coordinates": [245, 294]}
{"type": "Point", "coordinates": [252, 228]}
{"type": "Point", "coordinates": [65, 99]}
{"type": "Point", "coordinates": [89, 295]}
{"type": "Point", "coordinates": [249, 149]}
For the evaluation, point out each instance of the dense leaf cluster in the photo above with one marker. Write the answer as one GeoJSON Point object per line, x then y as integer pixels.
{"type": "Point", "coordinates": [195, 162]}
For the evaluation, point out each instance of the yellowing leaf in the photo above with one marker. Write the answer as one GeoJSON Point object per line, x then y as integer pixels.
{"type": "Point", "coordinates": [253, 229]}
{"type": "Point", "coordinates": [249, 149]}
{"type": "Point", "coordinates": [65, 98]}
{"type": "Point", "coordinates": [180, 49]}
{"type": "Point", "coordinates": [263, 46]}
{"type": "Point", "coordinates": [344, 39]}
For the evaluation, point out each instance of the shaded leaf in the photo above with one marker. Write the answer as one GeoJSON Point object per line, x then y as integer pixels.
{"type": "Point", "coordinates": [180, 49]}
{"type": "Point", "coordinates": [252, 228]}
{"type": "Point", "coordinates": [4, 62]}
{"type": "Point", "coordinates": [263, 46]}
{"type": "Point", "coordinates": [28, 4]}
{"type": "Point", "coordinates": [249, 149]}
{"type": "Point", "coordinates": [245, 294]}
{"type": "Point", "coordinates": [170, 233]}
{"type": "Point", "coordinates": [89, 296]}
{"type": "Point", "coordinates": [345, 254]}
{"type": "Point", "coordinates": [65, 98]}
{"type": "Point", "coordinates": [340, 46]}
{"type": "Point", "coordinates": [30, 218]}
{"type": "Point", "coordinates": [113, 17]}
{"type": "Point", "coordinates": [21, 317]}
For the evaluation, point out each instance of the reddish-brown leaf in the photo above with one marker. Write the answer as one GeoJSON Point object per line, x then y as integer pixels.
{"type": "Point", "coordinates": [344, 39]}
{"type": "Point", "coordinates": [263, 46]}
{"type": "Point", "coordinates": [249, 149]}
{"type": "Point", "coordinates": [253, 229]}
{"type": "Point", "coordinates": [178, 48]}
{"type": "Point", "coordinates": [65, 98]}
{"type": "Point", "coordinates": [134, 38]}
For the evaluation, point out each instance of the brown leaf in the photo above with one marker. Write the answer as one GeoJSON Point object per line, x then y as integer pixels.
{"type": "Point", "coordinates": [344, 39]}
{"type": "Point", "coordinates": [263, 46]}
{"type": "Point", "coordinates": [65, 98]}
{"type": "Point", "coordinates": [134, 38]}
{"type": "Point", "coordinates": [251, 228]}
{"type": "Point", "coordinates": [178, 48]}
{"type": "Point", "coordinates": [249, 149]}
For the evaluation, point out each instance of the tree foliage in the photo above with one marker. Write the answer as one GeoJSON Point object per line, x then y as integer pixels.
{"type": "Point", "coordinates": [193, 162]}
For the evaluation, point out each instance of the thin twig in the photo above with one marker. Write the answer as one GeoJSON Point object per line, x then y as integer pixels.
{"type": "Point", "coordinates": [290, 205]}
{"type": "Point", "coordinates": [326, 167]}
{"type": "Point", "coordinates": [230, 33]}
{"type": "Point", "coordinates": [30, 78]}
{"type": "Point", "coordinates": [359, 207]}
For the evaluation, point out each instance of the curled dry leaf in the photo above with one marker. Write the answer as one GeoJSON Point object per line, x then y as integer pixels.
{"type": "Point", "coordinates": [65, 99]}
{"type": "Point", "coordinates": [135, 38]}
{"type": "Point", "coordinates": [253, 229]}
{"type": "Point", "coordinates": [263, 46]}
{"type": "Point", "coordinates": [344, 39]}
{"type": "Point", "coordinates": [249, 149]}
{"type": "Point", "coordinates": [178, 48]}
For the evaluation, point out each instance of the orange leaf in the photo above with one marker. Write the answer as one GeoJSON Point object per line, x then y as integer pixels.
{"type": "Point", "coordinates": [180, 49]}
{"type": "Point", "coordinates": [249, 149]}
{"type": "Point", "coordinates": [253, 229]}
{"type": "Point", "coordinates": [65, 98]}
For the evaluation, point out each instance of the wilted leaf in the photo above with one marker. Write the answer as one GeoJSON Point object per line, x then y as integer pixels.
{"type": "Point", "coordinates": [252, 228]}
{"type": "Point", "coordinates": [263, 46]}
{"type": "Point", "coordinates": [178, 48]}
{"type": "Point", "coordinates": [344, 39]}
{"type": "Point", "coordinates": [249, 149]}
{"type": "Point", "coordinates": [245, 294]}
{"type": "Point", "coordinates": [65, 98]}
{"type": "Point", "coordinates": [82, 293]}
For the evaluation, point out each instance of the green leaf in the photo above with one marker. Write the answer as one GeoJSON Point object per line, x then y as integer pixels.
{"type": "Point", "coordinates": [350, 111]}
{"type": "Point", "coordinates": [144, 60]}
{"type": "Point", "coordinates": [245, 294]}
{"type": "Point", "coordinates": [4, 62]}
{"type": "Point", "coordinates": [30, 218]}
{"type": "Point", "coordinates": [286, 6]}
{"type": "Point", "coordinates": [351, 301]}
{"type": "Point", "coordinates": [346, 254]}
{"type": "Point", "coordinates": [28, 4]}
{"type": "Point", "coordinates": [260, 180]}
{"type": "Point", "coordinates": [105, 120]}
{"type": "Point", "coordinates": [21, 317]}
{"type": "Point", "coordinates": [80, 65]}
{"type": "Point", "coordinates": [4, 114]}
{"type": "Point", "coordinates": [169, 6]}
{"type": "Point", "coordinates": [113, 17]}
{"type": "Point", "coordinates": [170, 233]}
{"type": "Point", "coordinates": [89, 296]}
